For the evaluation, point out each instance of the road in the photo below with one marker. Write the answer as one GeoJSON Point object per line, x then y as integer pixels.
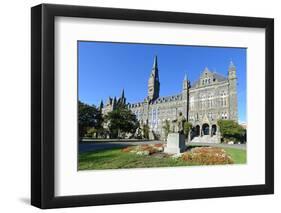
{"type": "Point", "coordinates": [95, 146]}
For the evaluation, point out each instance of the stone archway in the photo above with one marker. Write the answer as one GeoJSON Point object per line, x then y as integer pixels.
{"type": "Point", "coordinates": [205, 129]}
{"type": "Point", "coordinates": [197, 130]}
{"type": "Point", "coordinates": [214, 129]}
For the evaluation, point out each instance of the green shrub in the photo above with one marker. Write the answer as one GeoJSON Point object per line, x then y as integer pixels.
{"type": "Point", "coordinates": [232, 131]}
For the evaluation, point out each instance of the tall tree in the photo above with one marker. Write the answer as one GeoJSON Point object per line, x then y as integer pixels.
{"type": "Point", "coordinates": [89, 117]}
{"type": "Point", "coordinates": [121, 121]}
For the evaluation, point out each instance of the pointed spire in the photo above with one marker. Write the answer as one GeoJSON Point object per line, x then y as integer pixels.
{"type": "Point", "coordinates": [186, 82]}
{"type": "Point", "coordinates": [109, 100]}
{"type": "Point", "coordinates": [155, 68]}
{"type": "Point", "coordinates": [101, 104]}
{"type": "Point", "coordinates": [206, 69]}
{"type": "Point", "coordinates": [231, 64]}
{"type": "Point", "coordinates": [123, 94]}
{"type": "Point", "coordinates": [155, 63]}
{"type": "Point", "coordinates": [185, 77]}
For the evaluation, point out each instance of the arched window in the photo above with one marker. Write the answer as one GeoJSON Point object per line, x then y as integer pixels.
{"type": "Point", "coordinates": [205, 129]}
{"type": "Point", "coordinates": [225, 115]}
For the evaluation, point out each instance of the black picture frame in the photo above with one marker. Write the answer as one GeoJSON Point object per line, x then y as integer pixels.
{"type": "Point", "coordinates": [43, 102]}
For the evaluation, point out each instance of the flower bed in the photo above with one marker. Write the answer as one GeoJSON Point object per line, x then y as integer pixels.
{"type": "Point", "coordinates": [207, 156]}
{"type": "Point", "coordinates": [145, 149]}
{"type": "Point", "coordinates": [197, 155]}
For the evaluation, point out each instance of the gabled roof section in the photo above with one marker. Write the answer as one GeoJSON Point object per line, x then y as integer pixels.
{"type": "Point", "coordinates": [208, 77]}
{"type": "Point", "coordinates": [219, 77]}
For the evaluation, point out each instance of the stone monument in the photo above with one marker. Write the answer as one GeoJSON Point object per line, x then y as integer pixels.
{"type": "Point", "coordinates": [176, 139]}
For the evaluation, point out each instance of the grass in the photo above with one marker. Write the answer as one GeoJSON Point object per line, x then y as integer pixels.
{"type": "Point", "coordinates": [116, 159]}
{"type": "Point", "coordinates": [239, 156]}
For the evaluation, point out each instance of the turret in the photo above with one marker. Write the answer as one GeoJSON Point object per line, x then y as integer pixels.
{"type": "Point", "coordinates": [186, 83]}
{"type": "Point", "coordinates": [232, 79]}
{"type": "Point", "coordinates": [122, 98]}
{"type": "Point", "coordinates": [185, 96]}
{"type": "Point", "coordinates": [153, 82]}
{"type": "Point", "coordinates": [231, 71]}
{"type": "Point", "coordinates": [101, 105]}
{"type": "Point", "coordinates": [114, 103]}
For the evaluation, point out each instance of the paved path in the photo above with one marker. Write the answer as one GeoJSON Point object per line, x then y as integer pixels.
{"type": "Point", "coordinates": [86, 147]}
{"type": "Point", "coordinates": [96, 146]}
{"type": "Point", "coordinates": [236, 146]}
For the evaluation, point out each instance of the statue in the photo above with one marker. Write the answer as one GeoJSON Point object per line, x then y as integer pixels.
{"type": "Point", "coordinates": [179, 123]}
{"type": "Point", "coordinates": [176, 140]}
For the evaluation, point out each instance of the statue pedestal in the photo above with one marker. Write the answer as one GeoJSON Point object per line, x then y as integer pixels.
{"type": "Point", "coordinates": [175, 143]}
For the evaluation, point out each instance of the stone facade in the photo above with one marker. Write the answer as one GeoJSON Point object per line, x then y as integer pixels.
{"type": "Point", "coordinates": [208, 99]}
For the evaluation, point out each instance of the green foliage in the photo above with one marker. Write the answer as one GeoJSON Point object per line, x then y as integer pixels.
{"type": "Point", "coordinates": [186, 128]}
{"type": "Point", "coordinates": [167, 128]}
{"type": "Point", "coordinates": [121, 121]}
{"type": "Point", "coordinates": [232, 131]}
{"type": "Point", "coordinates": [89, 117]}
{"type": "Point", "coordinates": [91, 132]}
{"type": "Point", "coordinates": [145, 130]}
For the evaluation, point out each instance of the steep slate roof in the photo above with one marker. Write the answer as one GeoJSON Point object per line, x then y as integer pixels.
{"type": "Point", "coordinates": [168, 98]}
{"type": "Point", "coordinates": [159, 100]}
{"type": "Point", "coordinates": [217, 76]}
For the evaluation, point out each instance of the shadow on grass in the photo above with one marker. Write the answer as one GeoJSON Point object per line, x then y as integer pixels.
{"type": "Point", "coordinates": [85, 148]}
{"type": "Point", "coordinates": [189, 147]}
{"type": "Point", "coordinates": [99, 154]}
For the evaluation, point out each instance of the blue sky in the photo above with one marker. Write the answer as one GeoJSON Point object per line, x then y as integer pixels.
{"type": "Point", "coordinates": [105, 68]}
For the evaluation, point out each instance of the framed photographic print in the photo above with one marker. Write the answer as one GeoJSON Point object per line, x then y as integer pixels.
{"type": "Point", "coordinates": [139, 106]}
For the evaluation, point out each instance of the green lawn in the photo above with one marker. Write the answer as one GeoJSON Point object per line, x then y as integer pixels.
{"type": "Point", "coordinates": [239, 156]}
{"type": "Point", "coordinates": [115, 159]}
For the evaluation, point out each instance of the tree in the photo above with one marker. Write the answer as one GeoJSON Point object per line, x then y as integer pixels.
{"type": "Point", "coordinates": [186, 128]}
{"type": "Point", "coordinates": [167, 128]}
{"type": "Point", "coordinates": [231, 130]}
{"type": "Point", "coordinates": [121, 121]}
{"type": "Point", "coordinates": [89, 117]}
{"type": "Point", "coordinates": [145, 130]}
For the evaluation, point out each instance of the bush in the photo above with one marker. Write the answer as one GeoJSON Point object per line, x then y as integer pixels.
{"type": "Point", "coordinates": [167, 128]}
{"type": "Point", "coordinates": [232, 131]}
{"type": "Point", "coordinates": [91, 132]}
